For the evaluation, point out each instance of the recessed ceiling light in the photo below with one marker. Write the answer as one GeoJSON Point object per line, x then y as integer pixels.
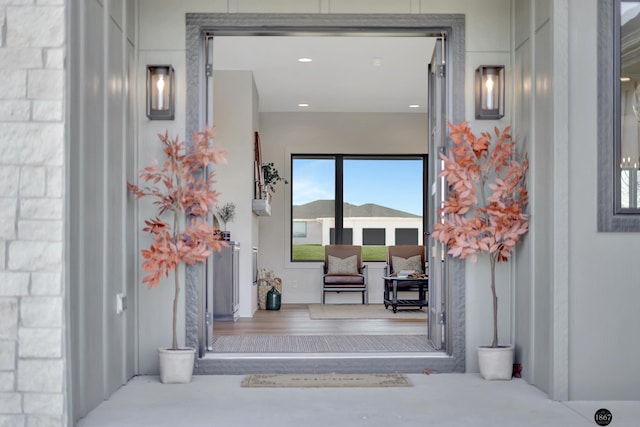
{"type": "Point", "coordinates": [414, 106]}
{"type": "Point", "coordinates": [625, 79]}
{"type": "Point", "coordinates": [377, 62]}
{"type": "Point", "coordinates": [305, 59]}
{"type": "Point", "coordinates": [303, 105]}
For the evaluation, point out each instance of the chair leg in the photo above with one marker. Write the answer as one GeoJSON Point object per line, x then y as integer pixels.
{"type": "Point", "coordinates": [323, 293]}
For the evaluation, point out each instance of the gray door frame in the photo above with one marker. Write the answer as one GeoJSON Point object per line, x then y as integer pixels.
{"type": "Point", "coordinates": [453, 25]}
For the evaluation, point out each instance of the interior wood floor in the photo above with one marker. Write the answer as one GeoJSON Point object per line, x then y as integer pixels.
{"type": "Point", "coordinates": [293, 319]}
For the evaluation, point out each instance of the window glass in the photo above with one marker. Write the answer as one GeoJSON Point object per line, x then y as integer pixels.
{"type": "Point", "coordinates": [299, 229]}
{"type": "Point", "coordinates": [381, 194]}
{"type": "Point", "coordinates": [381, 203]}
{"type": "Point", "coordinates": [313, 203]}
{"type": "Point", "coordinates": [406, 236]}
{"type": "Point", "coordinates": [373, 236]}
{"type": "Point", "coordinates": [629, 104]}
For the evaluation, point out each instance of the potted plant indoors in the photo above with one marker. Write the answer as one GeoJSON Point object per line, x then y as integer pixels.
{"type": "Point", "coordinates": [271, 177]}
{"type": "Point", "coordinates": [484, 214]}
{"type": "Point", "coordinates": [226, 213]}
{"type": "Point", "coordinates": [180, 190]}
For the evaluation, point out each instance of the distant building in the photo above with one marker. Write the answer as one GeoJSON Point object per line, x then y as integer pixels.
{"type": "Point", "coordinates": [368, 224]}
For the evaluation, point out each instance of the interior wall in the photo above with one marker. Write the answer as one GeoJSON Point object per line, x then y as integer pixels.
{"type": "Point", "coordinates": [284, 134]}
{"type": "Point", "coordinates": [603, 290]}
{"type": "Point", "coordinates": [235, 116]}
{"type": "Point", "coordinates": [101, 241]}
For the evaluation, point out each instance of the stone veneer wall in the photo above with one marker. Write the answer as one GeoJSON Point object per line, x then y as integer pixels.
{"type": "Point", "coordinates": [32, 368]}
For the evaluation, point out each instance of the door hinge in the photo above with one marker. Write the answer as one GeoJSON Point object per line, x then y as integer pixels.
{"type": "Point", "coordinates": [209, 318]}
{"type": "Point", "coordinates": [442, 318]}
{"type": "Point", "coordinates": [442, 70]}
{"type": "Point", "coordinates": [209, 70]}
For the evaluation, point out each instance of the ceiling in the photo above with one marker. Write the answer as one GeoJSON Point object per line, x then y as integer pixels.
{"type": "Point", "coordinates": [347, 74]}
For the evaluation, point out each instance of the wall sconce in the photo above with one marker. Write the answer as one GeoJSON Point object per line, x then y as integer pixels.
{"type": "Point", "coordinates": [160, 92]}
{"type": "Point", "coordinates": [489, 92]}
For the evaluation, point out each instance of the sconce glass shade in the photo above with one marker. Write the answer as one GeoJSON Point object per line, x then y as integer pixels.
{"type": "Point", "coordinates": [160, 92]}
{"type": "Point", "coordinates": [489, 92]}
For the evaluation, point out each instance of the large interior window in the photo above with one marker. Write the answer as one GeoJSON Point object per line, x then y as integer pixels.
{"type": "Point", "coordinates": [369, 200]}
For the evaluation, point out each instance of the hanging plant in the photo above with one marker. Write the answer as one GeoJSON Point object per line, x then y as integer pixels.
{"type": "Point", "coordinates": [271, 177]}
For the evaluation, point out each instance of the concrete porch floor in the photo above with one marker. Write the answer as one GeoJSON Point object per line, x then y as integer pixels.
{"type": "Point", "coordinates": [435, 400]}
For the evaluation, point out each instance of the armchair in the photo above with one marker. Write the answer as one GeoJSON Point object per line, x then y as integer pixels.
{"type": "Point", "coordinates": [344, 271]}
{"type": "Point", "coordinates": [405, 258]}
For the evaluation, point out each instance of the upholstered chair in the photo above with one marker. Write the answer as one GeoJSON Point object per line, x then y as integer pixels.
{"type": "Point", "coordinates": [344, 271]}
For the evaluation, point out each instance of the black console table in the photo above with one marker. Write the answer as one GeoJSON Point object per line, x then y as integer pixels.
{"type": "Point", "coordinates": [391, 284]}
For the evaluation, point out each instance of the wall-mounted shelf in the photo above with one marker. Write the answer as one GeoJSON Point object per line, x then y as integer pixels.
{"type": "Point", "coordinates": [261, 207]}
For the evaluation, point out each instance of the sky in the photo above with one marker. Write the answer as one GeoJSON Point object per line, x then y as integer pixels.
{"type": "Point", "coordinates": [394, 184]}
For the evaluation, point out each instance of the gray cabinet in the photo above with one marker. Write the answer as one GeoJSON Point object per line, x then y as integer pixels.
{"type": "Point", "coordinates": [225, 272]}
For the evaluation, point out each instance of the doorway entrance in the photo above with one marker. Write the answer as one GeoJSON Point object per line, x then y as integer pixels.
{"type": "Point", "coordinates": [447, 294]}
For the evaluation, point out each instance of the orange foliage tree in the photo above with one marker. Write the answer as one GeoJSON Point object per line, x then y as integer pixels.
{"type": "Point", "coordinates": [180, 189]}
{"type": "Point", "coordinates": [487, 199]}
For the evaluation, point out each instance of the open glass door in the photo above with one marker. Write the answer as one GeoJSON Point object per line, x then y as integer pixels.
{"type": "Point", "coordinates": [208, 288]}
{"type": "Point", "coordinates": [437, 136]}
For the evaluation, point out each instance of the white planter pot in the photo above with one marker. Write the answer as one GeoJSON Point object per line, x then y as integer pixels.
{"type": "Point", "coordinates": [496, 363]}
{"type": "Point", "coordinates": [261, 207]}
{"type": "Point", "coordinates": [176, 366]}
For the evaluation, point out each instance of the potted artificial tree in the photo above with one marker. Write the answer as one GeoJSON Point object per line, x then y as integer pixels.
{"type": "Point", "coordinates": [226, 213]}
{"type": "Point", "coordinates": [186, 198]}
{"type": "Point", "coordinates": [484, 214]}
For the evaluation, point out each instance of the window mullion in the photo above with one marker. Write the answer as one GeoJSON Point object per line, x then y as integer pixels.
{"type": "Point", "coordinates": [339, 200]}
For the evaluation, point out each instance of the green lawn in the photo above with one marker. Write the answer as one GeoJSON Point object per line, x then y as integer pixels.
{"type": "Point", "coordinates": [316, 253]}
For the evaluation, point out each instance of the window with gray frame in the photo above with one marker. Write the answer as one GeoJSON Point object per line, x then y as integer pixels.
{"type": "Point", "coordinates": [619, 115]}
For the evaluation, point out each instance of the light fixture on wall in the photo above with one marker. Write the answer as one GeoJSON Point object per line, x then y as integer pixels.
{"type": "Point", "coordinates": [160, 92]}
{"type": "Point", "coordinates": [489, 92]}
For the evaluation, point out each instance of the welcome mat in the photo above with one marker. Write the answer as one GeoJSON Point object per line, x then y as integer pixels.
{"type": "Point", "coordinates": [326, 380]}
{"type": "Point", "coordinates": [361, 311]}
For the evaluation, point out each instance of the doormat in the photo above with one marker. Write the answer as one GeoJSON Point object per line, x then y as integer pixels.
{"type": "Point", "coordinates": [361, 311]}
{"type": "Point", "coordinates": [326, 380]}
{"type": "Point", "coordinates": [321, 344]}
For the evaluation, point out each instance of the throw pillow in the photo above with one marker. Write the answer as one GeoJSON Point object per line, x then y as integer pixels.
{"type": "Point", "coordinates": [347, 265]}
{"type": "Point", "coordinates": [412, 263]}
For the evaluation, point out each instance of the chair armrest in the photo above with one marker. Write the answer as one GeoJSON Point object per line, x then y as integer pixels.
{"type": "Point", "coordinates": [365, 272]}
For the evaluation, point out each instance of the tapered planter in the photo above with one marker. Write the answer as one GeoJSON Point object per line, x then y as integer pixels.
{"type": "Point", "coordinates": [496, 363]}
{"type": "Point", "coordinates": [261, 207]}
{"type": "Point", "coordinates": [176, 366]}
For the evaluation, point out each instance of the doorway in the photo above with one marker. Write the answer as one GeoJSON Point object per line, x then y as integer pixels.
{"type": "Point", "coordinates": [450, 298]}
